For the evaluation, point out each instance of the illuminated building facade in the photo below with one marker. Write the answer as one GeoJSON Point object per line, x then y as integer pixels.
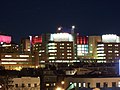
{"type": "Point", "coordinates": [93, 40]}
{"type": "Point", "coordinates": [104, 83]}
{"type": "Point", "coordinates": [25, 45]}
{"type": "Point", "coordinates": [26, 83]}
{"type": "Point", "coordinates": [39, 47]}
{"type": "Point", "coordinates": [60, 52]}
{"type": "Point", "coordinates": [6, 46]}
{"type": "Point", "coordinates": [109, 48]}
{"type": "Point", "coordinates": [9, 48]}
{"type": "Point", "coordinates": [5, 39]}
{"type": "Point", "coordinates": [108, 51]}
{"type": "Point", "coordinates": [59, 47]}
{"type": "Point", "coordinates": [54, 48]}
{"type": "Point", "coordinates": [82, 46]}
{"type": "Point", "coordinates": [16, 61]}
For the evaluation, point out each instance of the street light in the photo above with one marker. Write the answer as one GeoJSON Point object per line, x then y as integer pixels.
{"type": "Point", "coordinates": [72, 30]}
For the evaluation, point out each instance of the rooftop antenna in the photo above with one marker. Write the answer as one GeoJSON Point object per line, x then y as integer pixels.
{"type": "Point", "coordinates": [59, 29]}
{"type": "Point", "coordinates": [72, 30]}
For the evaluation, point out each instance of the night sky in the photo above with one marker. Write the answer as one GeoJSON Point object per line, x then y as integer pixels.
{"type": "Point", "coordinates": [21, 18]}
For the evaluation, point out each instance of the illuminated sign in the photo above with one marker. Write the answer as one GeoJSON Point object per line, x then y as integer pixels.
{"type": "Point", "coordinates": [61, 37]}
{"type": "Point", "coordinates": [82, 40]}
{"type": "Point", "coordinates": [6, 39]}
{"type": "Point", "coordinates": [110, 38]}
{"type": "Point", "coordinates": [36, 39]}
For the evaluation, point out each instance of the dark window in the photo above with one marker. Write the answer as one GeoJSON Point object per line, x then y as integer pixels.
{"type": "Point", "coordinates": [113, 84]}
{"type": "Point", "coordinates": [16, 85]}
{"type": "Point", "coordinates": [35, 85]}
{"type": "Point", "coordinates": [98, 85]}
{"type": "Point", "coordinates": [105, 84]}
{"type": "Point", "coordinates": [29, 85]}
{"type": "Point", "coordinates": [88, 85]}
{"type": "Point", "coordinates": [23, 85]}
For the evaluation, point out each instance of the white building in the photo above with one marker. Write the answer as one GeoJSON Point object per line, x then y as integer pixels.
{"type": "Point", "coordinates": [26, 83]}
{"type": "Point", "coordinates": [92, 82]}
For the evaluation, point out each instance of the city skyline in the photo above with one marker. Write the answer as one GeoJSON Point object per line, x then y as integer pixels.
{"type": "Point", "coordinates": [23, 18]}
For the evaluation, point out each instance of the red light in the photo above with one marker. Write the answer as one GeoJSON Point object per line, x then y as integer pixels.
{"type": "Point", "coordinates": [82, 40]}
{"type": "Point", "coordinates": [37, 39]}
{"type": "Point", "coordinates": [6, 39]}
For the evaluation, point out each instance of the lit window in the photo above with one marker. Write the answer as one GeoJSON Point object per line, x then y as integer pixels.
{"type": "Point", "coordinates": [116, 51]}
{"type": "Point", "coordinates": [61, 47]}
{"type": "Point", "coordinates": [52, 51]}
{"type": "Point", "coordinates": [116, 45]}
{"type": "Point", "coordinates": [62, 53]}
{"type": "Point", "coordinates": [79, 84]}
{"type": "Point", "coordinates": [47, 84]}
{"type": "Point", "coordinates": [90, 51]}
{"type": "Point", "coordinates": [8, 55]}
{"type": "Point", "coordinates": [117, 54]}
{"type": "Point", "coordinates": [69, 54]}
{"type": "Point", "coordinates": [68, 47]}
{"type": "Point", "coordinates": [24, 55]}
{"type": "Point", "coordinates": [68, 50]}
{"type": "Point", "coordinates": [52, 47]}
{"type": "Point", "coordinates": [54, 84]}
{"type": "Point", "coordinates": [110, 51]}
{"type": "Point", "coordinates": [100, 44]}
{"type": "Point", "coordinates": [83, 84]}
{"type": "Point", "coordinates": [75, 84]}
{"type": "Point", "coordinates": [51, 57]}
{"type": "Point", "coordinates": [109, 44]}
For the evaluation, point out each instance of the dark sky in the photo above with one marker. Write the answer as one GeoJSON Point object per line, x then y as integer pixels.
{"type": "Point", "coordinates": [21, 18]}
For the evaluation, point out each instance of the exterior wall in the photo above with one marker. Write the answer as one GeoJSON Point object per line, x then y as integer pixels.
{"type": "Point", "coordinates": [83, 82]}
{"type": "Point", "coordinates": [49, 80]}
{"type": "Point", "coordinates": [16, 61]}
{"type": "Point", "coordinates": [93, 40]}
{"type": "Point", "coordinates": [61, 51]}
{"type": "Point", "coordinates": [41, 49]}
{"type": "Point", "coordinates": [9, 48]}
{"type": "Point", "coordinates": [82, 46]}
{"type": "Point", "coordinates": [108, 51]}
{"type": "Point", "coordinates": [57, 51]}
{"type": "Point", "coordinates": [25, 45]}
{"type": "Point", "coordinates": [26, 83]}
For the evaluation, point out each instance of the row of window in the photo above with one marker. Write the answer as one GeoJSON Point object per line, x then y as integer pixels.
{"type": "Point", "coordinates": [98, 85]}
{"type": "Point", "coordinates": [108, 45]}
{"type": "Point", "coordinates": [24, 85]}
{"type": "Point", "coordinates": [60, 57]}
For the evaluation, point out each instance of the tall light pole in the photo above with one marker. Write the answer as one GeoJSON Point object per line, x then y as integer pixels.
{"type": "Point", "coordinates": [73, 28]}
